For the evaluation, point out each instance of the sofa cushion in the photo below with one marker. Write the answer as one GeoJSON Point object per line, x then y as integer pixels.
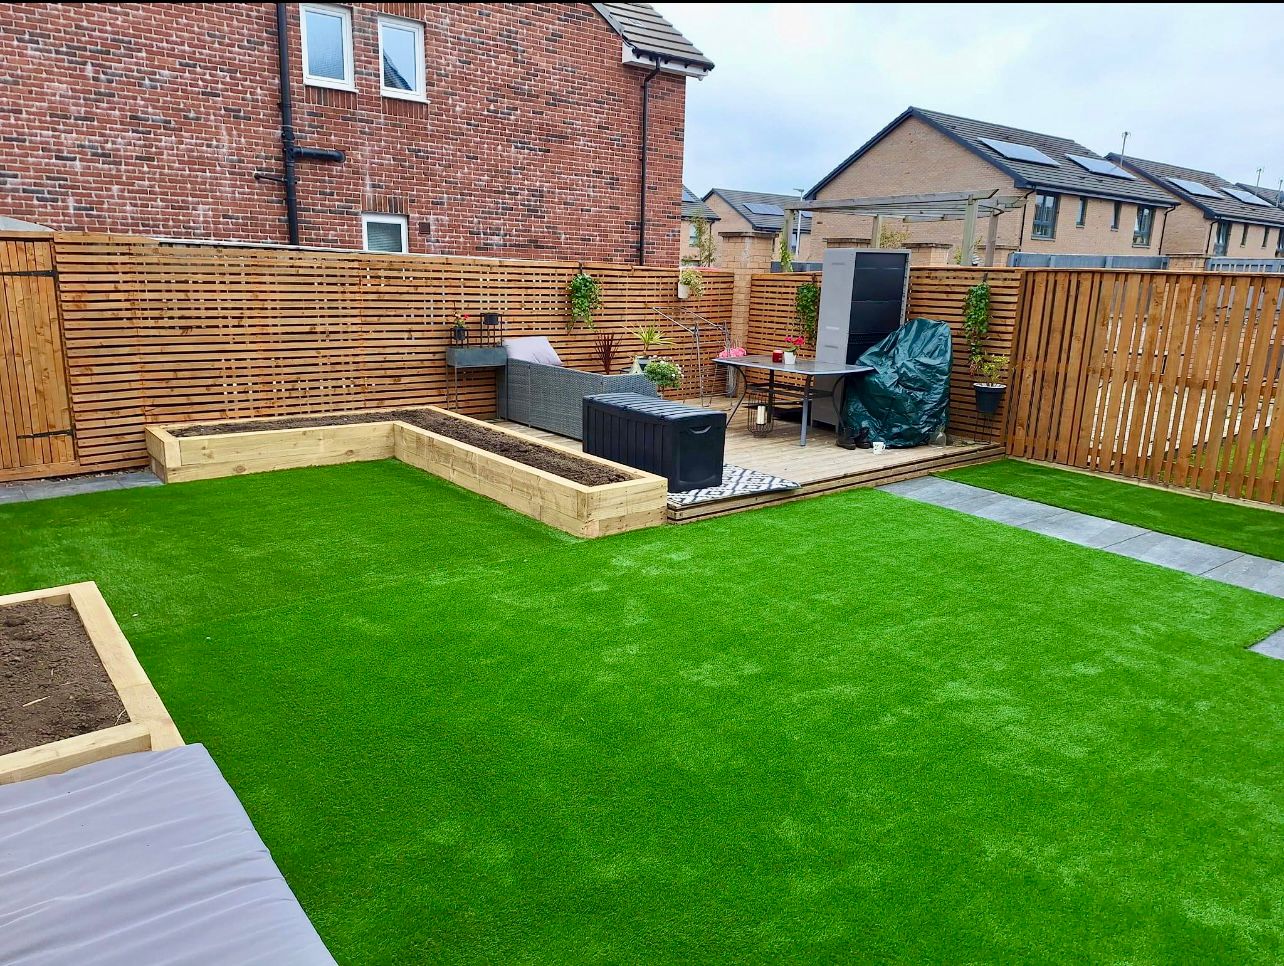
{"type": "Point", "coordinates": [533, 348]}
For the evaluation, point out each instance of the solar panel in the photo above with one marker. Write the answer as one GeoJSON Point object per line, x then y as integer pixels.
{"type": "Point", "coordinates": [1099, 166]}
{"type": "Point", "coordinates": [759, 208]}
{"type": "Point", "coordinates": [1018, 152]}
{"type": "Point", "coordinates": [1195, 188]}
{"type": "Point", "coordinates": [1247, 197]}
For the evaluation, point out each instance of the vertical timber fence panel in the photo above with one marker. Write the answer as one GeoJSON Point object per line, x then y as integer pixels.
{"type": "Point", "coordinates": [169, 331]}
{"type": "Point", "coordinates": [36, 433]}
{"type": "Point", "coordinates": [1167, 377]}
{"type": "Point", "coordinates": [934, 293]}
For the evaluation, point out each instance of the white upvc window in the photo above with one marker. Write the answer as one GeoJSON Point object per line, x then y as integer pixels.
{"type": "Point", "coordinates": [385, 233]}
{"type": "Point", "coordinates": [401, 59]}
{"type": "Point", "coordinates": [326, 32]}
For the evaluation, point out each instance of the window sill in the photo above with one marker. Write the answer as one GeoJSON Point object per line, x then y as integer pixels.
{"type": "Point", "coordinates": [332, 85]}
{"type": "Point", "coordinates": [1136, 245]}
{"type": "Point", "coordinates": [405, 96]}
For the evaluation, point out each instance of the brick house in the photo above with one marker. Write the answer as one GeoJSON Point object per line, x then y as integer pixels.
{"type": "Point", "coordinates": [470, 129]}
{"type": "Point", "coordinates": [692, 210]}
{"type": "Point", "coordinates": [749, 224]}
{"type": "Point", "coordinates": [1216, 217]}
{"type": "Point", "coordinates": [1075, 201]}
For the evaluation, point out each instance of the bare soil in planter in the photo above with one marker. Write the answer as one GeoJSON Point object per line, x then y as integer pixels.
{"type": "Point", "coordinates": [52, 684]}
{"type": "Point", "coordinates": [564, 464]}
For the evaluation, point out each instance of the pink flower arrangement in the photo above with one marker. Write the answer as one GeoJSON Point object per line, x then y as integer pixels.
{"type": "Point", "coordinates": [734, 352]}
{"type": "Point", "coordinates": [796, 341]}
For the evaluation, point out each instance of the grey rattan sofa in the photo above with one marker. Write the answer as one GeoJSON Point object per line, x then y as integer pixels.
{"type": "Point", "coordinates": [552, 397]}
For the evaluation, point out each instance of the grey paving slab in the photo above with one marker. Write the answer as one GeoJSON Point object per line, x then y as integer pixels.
{"type": "Point", "coordinates": [1017, 512]}
{"type": "Point", "coordinates": [13, 493]}
{"type": "Point", "coordinates": [1273, 646]}
{"type": "Point", "coordinates": [954, 496]}
{"type": "Point", "coordinates": [1175, 552]}
{"type": "Point", "coordinates": [75, 485]}
{"type": "Point", "coordinates": [1085, 530]}
{"type": "Point", "coordinates": [1255, 573]}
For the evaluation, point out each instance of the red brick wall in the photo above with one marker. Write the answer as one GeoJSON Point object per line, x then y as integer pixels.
{"type": "Point", "coordinates": [154, 118]}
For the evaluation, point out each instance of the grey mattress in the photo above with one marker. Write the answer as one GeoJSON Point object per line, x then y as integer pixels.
{"type": "Point", "coordinates": [146, 858]}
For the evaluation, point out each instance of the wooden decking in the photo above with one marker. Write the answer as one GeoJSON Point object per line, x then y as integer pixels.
{"type": "Point", "coordinates": [820, 467]}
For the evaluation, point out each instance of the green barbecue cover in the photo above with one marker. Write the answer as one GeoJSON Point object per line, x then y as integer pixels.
{"type": "Point", "coordinates": [903, 403]}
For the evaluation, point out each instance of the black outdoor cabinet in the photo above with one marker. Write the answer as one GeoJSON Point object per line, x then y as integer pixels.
{"type": "Point", "coordinates": [679, 442]}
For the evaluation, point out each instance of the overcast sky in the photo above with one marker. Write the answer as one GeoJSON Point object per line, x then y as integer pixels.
{"type": "Point", "coordinates": [798, 87]}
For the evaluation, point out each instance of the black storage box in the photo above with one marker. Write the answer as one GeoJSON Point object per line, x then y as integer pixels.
{"type": "Point", "coordinates": [672, 440]}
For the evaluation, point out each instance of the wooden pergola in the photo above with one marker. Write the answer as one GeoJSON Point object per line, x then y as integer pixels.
{"type": "Point", "coordinates": [964, 206]}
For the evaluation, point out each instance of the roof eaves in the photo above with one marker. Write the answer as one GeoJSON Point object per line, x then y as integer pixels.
{"type": "Point", "coordinates": [651, 52]}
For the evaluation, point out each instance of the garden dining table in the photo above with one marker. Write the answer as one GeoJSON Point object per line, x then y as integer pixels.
{"type": "Point", "coordinates": [809, 369]}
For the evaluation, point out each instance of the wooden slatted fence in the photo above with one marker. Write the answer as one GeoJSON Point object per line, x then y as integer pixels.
{"type": "Point", "coordinates": [1173, 378]}
{"type": "Point", "coordinates": [934, 293]}
{"type": "Point", "coordinates": [167, 332]}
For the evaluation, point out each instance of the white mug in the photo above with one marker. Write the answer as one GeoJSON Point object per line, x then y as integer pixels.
{"type": "Point", "coordinates": [879, 446]}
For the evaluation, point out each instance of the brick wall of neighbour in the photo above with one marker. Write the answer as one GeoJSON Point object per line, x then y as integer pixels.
{"type": "Point", "coordinates": [154, 119]}
{"type": "Point", "coordinates": [735, 251]}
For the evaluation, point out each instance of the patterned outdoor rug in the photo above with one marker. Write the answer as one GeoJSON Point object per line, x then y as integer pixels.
{"type": "Point", "coordinates": [736, 481]}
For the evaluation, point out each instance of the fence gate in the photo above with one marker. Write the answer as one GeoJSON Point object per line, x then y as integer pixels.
{"type": "Point", "coordinates": [36, 436]}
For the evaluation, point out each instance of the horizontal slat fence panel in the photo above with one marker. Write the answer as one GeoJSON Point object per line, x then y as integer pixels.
{"type": "Point", "coordinates": [934, 293]}
{"type": "Point", "coordinates": [167, 332]}
{"type": "Point", "coordinates": [1168, 377]}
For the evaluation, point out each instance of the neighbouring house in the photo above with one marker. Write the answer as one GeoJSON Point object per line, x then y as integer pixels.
{"type": "Point", "coordinates": [1274, 195]}
{"type": "Point", "coordinates": [693, 210]}
{"type": "Point", "coordinates": [1074, 200]}
{"type": "Point", "coordinates": [749, 224]}
{"type": "Point", "coordinates": [470, 129]}
{"type": "Point", "coordinates": [1216, 218]}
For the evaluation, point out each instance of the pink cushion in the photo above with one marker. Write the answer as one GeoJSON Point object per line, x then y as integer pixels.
{"type": "Point", "coordinates": [533, 348]}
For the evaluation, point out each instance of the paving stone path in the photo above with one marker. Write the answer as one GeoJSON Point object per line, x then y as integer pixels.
{"type": "Point", "coordinates": [1190, 556]}
{"type": "Point", "coordinates": [47, 489]}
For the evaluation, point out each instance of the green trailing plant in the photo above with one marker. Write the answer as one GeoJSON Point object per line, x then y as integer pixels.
{"type": "Point", "coordinates": [693, 280]}
{"type": "Point", "coordinates": [586, 298]}
{"type": "Point", "coordinates": [651, 336]}
{"type": "Point", "coordinates": [786, 254]}
{"type": "Point", "coordinates": [807, 310]}
{"type": "Point", "coordinates": [706, 250]}
{"type": "Point", "coordinates": [665, 374]}
{"type": "Point", "coordinates": [976, 322]}
{"type": "Point", "coordinates": [991, 369]}
{"type": "Point", "coordinates": [604, 349]}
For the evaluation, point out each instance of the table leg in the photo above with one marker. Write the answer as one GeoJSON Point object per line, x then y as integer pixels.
{"type": "Point", "coordinates": [806, 413]}
{"type": "Point", "coordinates": [744, 394]}
{"type": "Point", "coordinates": [771, 392]}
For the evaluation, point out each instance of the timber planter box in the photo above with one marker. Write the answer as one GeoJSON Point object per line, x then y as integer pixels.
{"type": "Point", "coordinates": [149, 726]}
{"type": "Point", "coordinates": [626, 499]}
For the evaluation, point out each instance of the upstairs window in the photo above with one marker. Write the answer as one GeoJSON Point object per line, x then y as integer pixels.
{"type": "Point", "coordinates": [327, 46]}
{"type": "Point", "coordinates": [401, 59]}
{"type": "Point", "coordinates": [1243, 238]}
{"type": "Point", "coordinates": [1045, 216]}
{"type": "Point", "coordinates": [1221, 238]}
{"type": "Point", "coordinates": [1083, 213]}
{"type": "Point", "coordinates": [1279, 244]}
{"type": "Point", "coordinates": [1266, 237]}
{"type": "Point", "coordinates": [1143, 226]}
{"type": "Point", "coordinates": [1114, 219]}
{"type": "Point", "coordinates": [385, 233]}
{"type": "Point", "coordinates": [693, 235]}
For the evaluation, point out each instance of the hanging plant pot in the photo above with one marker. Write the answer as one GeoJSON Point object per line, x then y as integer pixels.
{"type": "Point", "coordinates": [684, 291]}
{"type": "Point", "coordinates": [988, 397]}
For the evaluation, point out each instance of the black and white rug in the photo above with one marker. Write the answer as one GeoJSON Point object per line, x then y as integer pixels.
{"type": "Point", "coordinates": [736, 481]}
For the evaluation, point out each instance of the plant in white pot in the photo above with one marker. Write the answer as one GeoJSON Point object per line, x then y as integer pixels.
{"type": "Point", "coordinates": [663, 373]}
{"type": "Point", "coordinates": [690, 284]}
{"type": "Point", "coordinates": [652, 337]}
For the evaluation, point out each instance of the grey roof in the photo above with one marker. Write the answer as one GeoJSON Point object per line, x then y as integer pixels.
{"type": "Point", "coordinates": [1273, 195]}
{"type": "Point", "coordinates": [765, 223]}
{"type": "Point", "coordinates": [693, 207]}
{"type": "Point", "coordinates": [647, 32]}
{"type": "Point", "coordinates": [1220, 208]}
{"type": "Point", "coordinates": [1066, 177]}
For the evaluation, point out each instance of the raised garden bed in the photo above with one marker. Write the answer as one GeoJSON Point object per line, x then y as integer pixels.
{"type": "Point", "coordinates": [580, 494]}
{"type": "Point", "coordinates": [73, 692]}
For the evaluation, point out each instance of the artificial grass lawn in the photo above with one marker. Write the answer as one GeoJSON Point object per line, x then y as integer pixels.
{"type": "Point", "coordinates": [1229, 525]}
{"type": "Point", "coordinates": [843, 729]}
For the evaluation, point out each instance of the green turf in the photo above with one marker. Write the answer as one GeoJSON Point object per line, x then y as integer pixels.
{"type": "Point", "coordinates": [1222, 524]}
{"type": "Point", "coordinates": [846, 729]}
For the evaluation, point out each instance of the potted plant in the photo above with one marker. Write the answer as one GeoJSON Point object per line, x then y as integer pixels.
{"type": "Point", "coordinates": [989, 390]}
{"type": "Point", "coordinates": [652, 337]}
{"type": "Point", "coordinates": [792, 346]}
{"type": "Point", "coordinates": [690, 283]}
{"type": "Point", "coordinates": [665, 374]}
{"type": "Point", "coordinates": [459, 331]}
{"type": "Point", "coordinates": [586, 298]}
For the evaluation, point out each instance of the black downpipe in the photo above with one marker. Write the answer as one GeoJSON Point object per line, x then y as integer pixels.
{"type": "Point", "coordinates": [288, 147]}
{"type": "Point", "coordinates": [646, 100]}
